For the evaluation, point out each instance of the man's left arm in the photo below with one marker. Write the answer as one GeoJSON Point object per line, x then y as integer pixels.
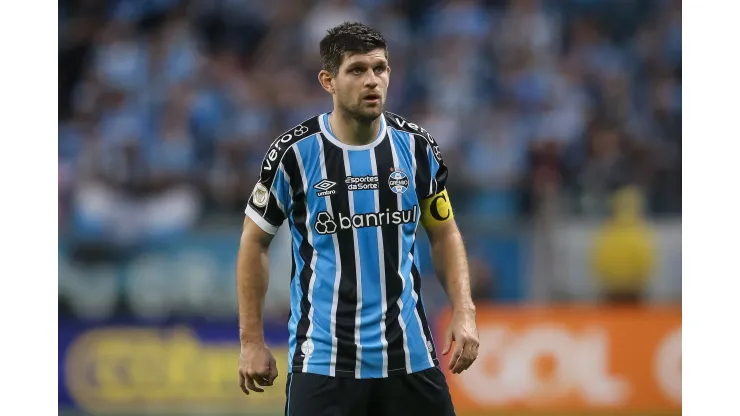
{"type": "Point", "coordinates": [451, 266]}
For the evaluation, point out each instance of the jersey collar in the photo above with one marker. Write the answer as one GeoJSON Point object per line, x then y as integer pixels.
{"type": "Point", "coordinates": [326, 130]}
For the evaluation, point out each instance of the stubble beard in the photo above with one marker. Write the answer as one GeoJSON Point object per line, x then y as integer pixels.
{"type": "Point", "coordinates": [362, 114]}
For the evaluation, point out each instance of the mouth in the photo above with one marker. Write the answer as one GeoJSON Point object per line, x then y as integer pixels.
{"type": "Point", "coordinates": [372, 98]}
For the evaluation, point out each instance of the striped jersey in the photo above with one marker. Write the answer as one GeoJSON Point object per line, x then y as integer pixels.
{"type": "Point", "coordinates": [353, 212]}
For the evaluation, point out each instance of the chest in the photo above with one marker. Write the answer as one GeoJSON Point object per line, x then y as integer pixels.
{"type": "Point", "coordinates": [367, 188]}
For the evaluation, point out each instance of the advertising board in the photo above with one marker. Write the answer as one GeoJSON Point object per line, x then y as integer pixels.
{"type": "Point", "coordinates": [178, 368]}
{"type": "Point", "coordinates": [573, 359]}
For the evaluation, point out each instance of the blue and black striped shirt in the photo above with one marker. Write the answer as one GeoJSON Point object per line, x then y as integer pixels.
{"type": "Point", "coordinates": [353, 212]}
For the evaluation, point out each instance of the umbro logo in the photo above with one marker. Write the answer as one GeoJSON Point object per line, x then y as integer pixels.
{"type": "Point", "coordinates": [325, 187]}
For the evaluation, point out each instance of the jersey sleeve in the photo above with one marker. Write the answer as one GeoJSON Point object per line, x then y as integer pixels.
{"type": "Point", "coordinates": [271, 199]}
{"type": "Point", "coordinates": [431, 171]}
{"type": "Point", "coordinates": [431, 183]}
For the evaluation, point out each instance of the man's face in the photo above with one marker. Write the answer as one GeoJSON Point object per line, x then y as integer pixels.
{"type": "Point", "coordinates": [361, 84]}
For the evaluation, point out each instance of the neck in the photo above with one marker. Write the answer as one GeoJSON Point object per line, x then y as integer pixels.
{"type": "Point", "coordinates": [351, 131]}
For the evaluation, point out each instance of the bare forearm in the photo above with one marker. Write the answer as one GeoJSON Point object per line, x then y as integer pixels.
{"type": "Point", "coordinates": [252, 277]}
{"type": "Point", "coordinates": [450, 263]}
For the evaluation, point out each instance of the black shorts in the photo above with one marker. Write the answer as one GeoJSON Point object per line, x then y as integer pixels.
{"type": "Point", "coordinates": [422, 393]}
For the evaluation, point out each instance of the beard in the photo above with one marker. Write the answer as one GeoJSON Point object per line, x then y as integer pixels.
{"type": "Point", "coordinates": [362, 112]}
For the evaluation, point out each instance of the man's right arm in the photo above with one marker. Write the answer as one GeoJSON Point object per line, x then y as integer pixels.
{"type": "Point", "coordinates": [257, 366]}
{"type": "Point", "coordinates": [266, 210]}
{"type": "Point", "coordinates": [252, 277]}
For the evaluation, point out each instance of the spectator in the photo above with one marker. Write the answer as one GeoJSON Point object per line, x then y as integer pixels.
{"type": "Point", "coordinates": [623, 255]}
{"type": "Point", "coordinates": [167, 107]}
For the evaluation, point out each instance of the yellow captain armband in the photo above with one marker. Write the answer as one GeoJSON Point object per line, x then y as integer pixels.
{"type": "Point", "coordinates": [436, 210]}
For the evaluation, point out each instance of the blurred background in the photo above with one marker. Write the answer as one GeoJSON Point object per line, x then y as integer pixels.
{"type": "Point", "coordinates": [560, 121]}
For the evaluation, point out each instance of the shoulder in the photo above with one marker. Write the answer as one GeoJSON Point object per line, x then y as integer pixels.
{"type": "Point", "coordinates": [403, 124]}
{"type": "Point", "coordinates": [417, 132]}
{"type": "Point", "coordinates": [281, 144]}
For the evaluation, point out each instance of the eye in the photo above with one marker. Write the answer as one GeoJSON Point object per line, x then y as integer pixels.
{"type": "Point", "coordinates": [379, 69]}
{"type": "Point", "coordinates": [357, 71]}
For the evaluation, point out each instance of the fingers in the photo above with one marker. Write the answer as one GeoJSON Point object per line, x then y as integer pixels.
{"type": "Point", "coordinates": [461, 361]}
{"type": "Point", "coordinates": [468, 354]}
{"type": "Point", "coordinates": [448, 342]}
{"type": "Point", "coordinates": [252, 386]}
{"type": "Point", "coordinates": [242, 383]}
{"type": "Point", "coordinates": [464, 361]}
{"type": "Point", "coordinates": [273, 372]}
{"type": "Point", "coordinates": [261, 380]}
{"type": "Point", "coordinates": [456, 356]}
{"type": "Point", "coordinates": [267, 375]}
{"type": "Point", "coordinates": [474, 352]}
{"type": "Point", "coordinates": [247, 380]}
{"type": "Point", "coordinates": [255, 380]}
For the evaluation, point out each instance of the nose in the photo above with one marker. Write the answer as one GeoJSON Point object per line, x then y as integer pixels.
{"type": "Point", "coordinates": [371, 81]}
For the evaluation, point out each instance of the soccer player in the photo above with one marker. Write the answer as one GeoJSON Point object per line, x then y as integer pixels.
{"type": "Point", "coordinates": [354, 184]}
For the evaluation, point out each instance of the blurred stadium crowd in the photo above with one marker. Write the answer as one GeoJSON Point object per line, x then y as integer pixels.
{"type": "Point", "coordinates": [167, 106]}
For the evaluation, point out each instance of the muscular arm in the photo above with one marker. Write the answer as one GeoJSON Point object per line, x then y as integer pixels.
{"type": "Point", "coordinates": [266, 210]}
{"type": "Point", "coordinates": [252, 278]}
{"type": "Point", "coordinates": [451, 264]}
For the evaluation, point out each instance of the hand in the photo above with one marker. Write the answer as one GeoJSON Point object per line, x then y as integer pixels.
{"type": "Point", "coordinates": [256, 365]}
{"type": "Point", "coordinates": [463, 331]}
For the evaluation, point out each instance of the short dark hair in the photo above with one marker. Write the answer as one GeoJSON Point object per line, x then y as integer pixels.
{"type": "Point", "coordinates": [348, 39]}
